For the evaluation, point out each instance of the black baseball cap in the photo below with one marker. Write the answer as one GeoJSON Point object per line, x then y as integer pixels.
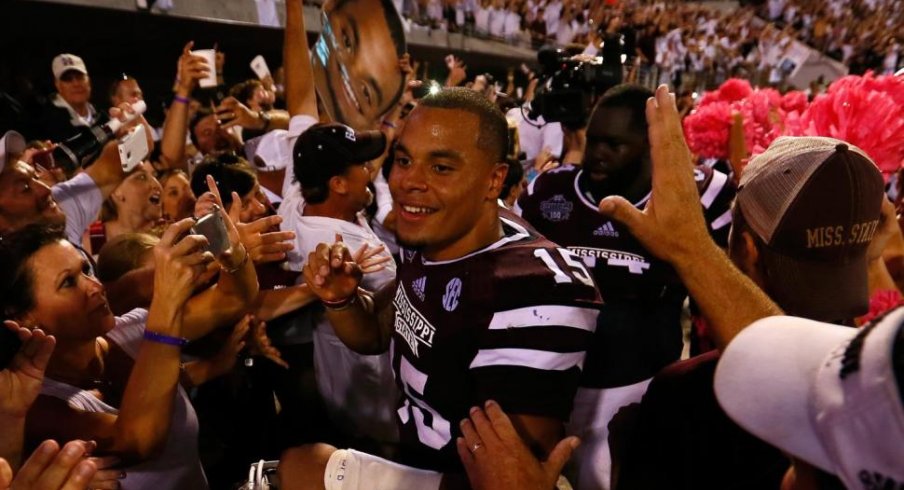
{"type": "Point", "coordinates": [327, 150]}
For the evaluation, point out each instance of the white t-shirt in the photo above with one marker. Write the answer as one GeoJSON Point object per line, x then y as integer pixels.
{"type": "Point", "coordinates": [551, 15]}
{"type": "Point", "coordinates": [358, 390]}
{"type": "Point", "coordinates": [80, 200]}
{"type": "Point", "coordinates": [178, 466]}
{"type": "Point", "coordinates": [482, 20]}
{"type": "Point", "coordinates": [497, 22]}
{"type": "Point", "coordinates": [512, 24]}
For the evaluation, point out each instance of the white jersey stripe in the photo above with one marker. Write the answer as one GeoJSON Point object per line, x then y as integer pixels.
{"type": "Point", "coordinates": [715, 187]}
{"type": "Point", "coordinates": [532, 358]}
{"type": "Point", "coordinates": [412, 377]}
{"type": "Point", "coordinates": [545, 315]}
{"type": "Point", "coordinates": [721, 221]}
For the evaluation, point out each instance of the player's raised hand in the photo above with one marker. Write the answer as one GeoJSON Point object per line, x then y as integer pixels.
{"type": "Point", "coordinates": [671, 226]}
{"type": "Point", "coordinates": [332, 273]}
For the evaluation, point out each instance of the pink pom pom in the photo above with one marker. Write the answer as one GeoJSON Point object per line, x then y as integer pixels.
{"type": "Point", "coordinates": [707, 129]}
{"type": "Point", "coordinates": [734, 89]}
{"type": "Point", "coordinates": [865, 111]}
{"type": "Point", "coordinates": [794, 101]}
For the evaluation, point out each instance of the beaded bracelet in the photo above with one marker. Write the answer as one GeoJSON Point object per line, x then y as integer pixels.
{"type": "Point", "coordinates": [165, 339]}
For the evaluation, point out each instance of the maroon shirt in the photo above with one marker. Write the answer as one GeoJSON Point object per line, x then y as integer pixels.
{"type": "Point", "coordinates": [511, 323]}
{"type": "Point", "coordinates": [639, 330]}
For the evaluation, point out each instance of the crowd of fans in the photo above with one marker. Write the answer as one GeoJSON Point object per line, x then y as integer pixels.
{"type": "Point", "coordinates": [862, 34]}
{"type": "Point", "coordinates": [691, 46]}
{"type": "Point", "coordinates": [463, 295]}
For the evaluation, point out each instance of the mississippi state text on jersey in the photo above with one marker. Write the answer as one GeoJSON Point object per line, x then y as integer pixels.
{"type": "Point", "coordinates": [639, 326]}
{"type": "Point", "coordinates": [511, 322]}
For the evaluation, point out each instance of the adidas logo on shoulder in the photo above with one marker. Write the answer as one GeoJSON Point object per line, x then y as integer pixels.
{"type": "Point", "coordinates": [420, 286]}
{"type": "Point", "coordinates": [606, 230]}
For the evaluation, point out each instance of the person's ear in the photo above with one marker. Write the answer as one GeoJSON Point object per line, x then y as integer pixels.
{"type": "Point", "coordinates": [339, 185]}
{"type": "Point", "coordinates": [750, 256]}
{"type": "Point", "coordinates": [58, 84]}
{"type": "Point", "coordinates": [497, 179]}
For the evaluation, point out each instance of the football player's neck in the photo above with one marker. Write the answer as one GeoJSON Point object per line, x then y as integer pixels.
{"type": "Point", "coordinates": [487, 231]}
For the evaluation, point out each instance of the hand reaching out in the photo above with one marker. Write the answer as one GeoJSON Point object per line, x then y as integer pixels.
{"type": "Point", "coordinates": [261, 344]}
{"type": "Point", "coordinates": [496, 458]}
{"type": "Point", "coordinates": [50, 468]}
{"type": "Point", "coordinates": [180, 261]}
{"type": "Point", "coordinates": [331, 272]}
{"type": "Point", "coordinates": [108, 476]}
{"type": "Point", "coordinates": [20, 382]}
{"type": "Point", "coordinates": [236, 253]}
{"type": "Point", "coordinates": [262, 244]}
{"type": "Point", "coordinates": [192, 68]}
{"type": "Point", "coordinates": [226, 357]}
{"type": "Point", "coordinates": [671, 226]}
{"type": "Point", "coordinates": [231, 113]}
{"type": "Point", "coordinates": [369, 259]}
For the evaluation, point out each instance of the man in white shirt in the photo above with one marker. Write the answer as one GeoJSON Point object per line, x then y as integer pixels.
{"type": "Point", "coordinates": [552, 16]}
{"type": "Point", "coordinates": [332, 170]}
{"type": "Point", "coordinates": [324, 192]}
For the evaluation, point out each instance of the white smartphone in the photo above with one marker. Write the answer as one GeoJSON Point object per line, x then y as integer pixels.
{"type": "Point", "coordinates": [259, 65]}
{"type": "Point", "coordinates": [133, 148]}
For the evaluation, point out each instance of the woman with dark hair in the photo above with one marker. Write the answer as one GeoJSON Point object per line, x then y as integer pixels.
{"type": "Point", "coordinates": [178, 200]}
{"type": "Point", "coordinates": [114, 380]}
{"type": "Point", "coordinates": [232, 174]}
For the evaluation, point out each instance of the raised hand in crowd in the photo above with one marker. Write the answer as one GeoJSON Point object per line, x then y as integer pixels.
{"type": "Point", "coordinates": [458, 71]}
{"type": "Point", "coordinates": [20, 384]}
{"type": "Point", "coordinates": [274, 303]}
{"type": "Point", "coordinates": [21, 381]}
{"type": "Point", "coordinates": [202, 371]}
{"type": "Point", "coordinates": [672, 227]}
{"type": "Point", "coordinates": [332, 273]}
{"type": "Point", "coordinates": [231, 113]}
{"type": "Point", "coordinates": [260, 344]}
{"type": "Point", "coordinates": [262, 238]}
{"type": "Point", "coordinates": [496, 458]}
{"type": "Point", "coordinates": [53, 468]}
{"type": "Point", "coordinates": [106, 171]}
{"type": "Point", "coordinates": [191, 69]}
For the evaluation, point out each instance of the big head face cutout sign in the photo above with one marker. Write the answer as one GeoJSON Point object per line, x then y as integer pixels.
{"type": "Point", "coordinates": [356, 60]}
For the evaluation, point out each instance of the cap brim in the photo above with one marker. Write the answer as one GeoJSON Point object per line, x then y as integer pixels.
{"type": "Point", "coordinates": [818, 290]}
{"type": "Point", "coordinates": [72, 68]}
{"type": "Point", "coordinates": [273, 149]}
{"type": "Point", "coordinates": [12, 143]}
{"type": "Point", "coordinates": [765, 377]}
{"type": "Point", "coordinates": [368, 145]}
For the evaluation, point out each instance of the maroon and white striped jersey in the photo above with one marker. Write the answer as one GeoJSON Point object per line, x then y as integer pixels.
{"type": "Point", "coordinates": [511, 322]}
{"type": "Point", "coordinates": [639, 330]}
